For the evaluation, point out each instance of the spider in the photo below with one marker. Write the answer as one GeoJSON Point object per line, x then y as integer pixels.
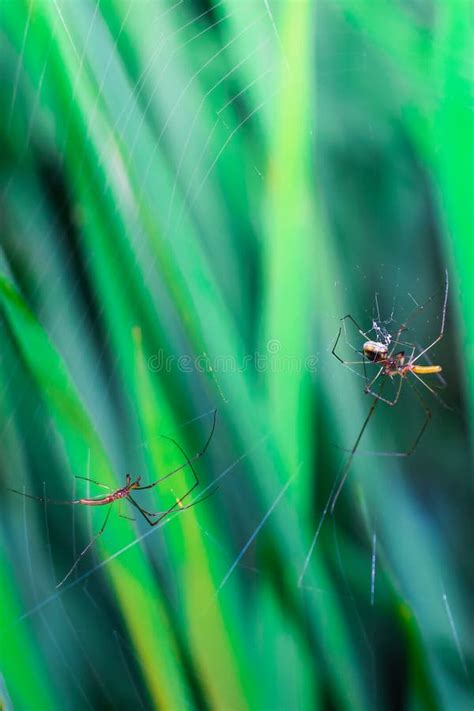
{"type": "Point", "coordinates": [125, 492]}
{"type": "Point", "coordinates": [391, 364]}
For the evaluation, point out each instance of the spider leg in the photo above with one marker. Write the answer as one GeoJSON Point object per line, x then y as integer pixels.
{"type": "Point", "coordinates": [345, 470]}
{"type": "Point", "coordinates": [425, 423]}
{"type": "Point", "coordinates": [89, 545]}
{"type": "Point", "coordinates": [396, 341]}
{"type": "Point", "coordinates": [443, 320]}
{"type": "Point", "coordinates": [419, 435]}
{"type": "Point", "coordinates": [347, 363]}
{"type": "Point", "coordinates": [433, 392]}
{"type": "Point", "coordinates": [362, 333]}
{"type": "Point", "coordinates": [188, 462]}
{"type": "Point", "coordinates": [366, 377]}
{"type": "Point", "coordinates": [129, 518]}
{"type": "Point", "coordinates": [419, 308]}
{"type": "Point", "coordinates": [161, 514]}
{"type": "Point", "coordinates": [378, 396]}
{"type": "Point", "coordinates": [438, 375]}
{"type": "Point", "coordinates": [404, 343]}
{"type": "Point", "coordinates": [43, 499]}
{"type": "Point", "coordinates": [368, 387]}
{"type": "Point", "coordinates": [335, 346]}
{"type": "Point", "coordinates": [437, 340]}
{"type": "Point", "coordinates": [347, 342]}
{"type": "Point", "coordinates": [92, 481]}
{"type": "Point", "coordinates": [190, 490]}
{"type": "Point", "coordinates": [443, 316]}
{"type": "Point", "coordinates": [354, 362]}
{"type": "Point", "coordinates": [146, 514]}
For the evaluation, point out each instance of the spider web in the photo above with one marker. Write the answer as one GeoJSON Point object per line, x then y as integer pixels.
{"type": "Point", "coordinates": [66, 643]}
{"type": "Point", "coordinates": [159, 112]}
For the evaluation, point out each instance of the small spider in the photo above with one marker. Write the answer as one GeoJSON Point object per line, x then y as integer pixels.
{"type": "Point", "coordinates": [391, 363]}
{"type": "Point", "coordinates": [125, 493]}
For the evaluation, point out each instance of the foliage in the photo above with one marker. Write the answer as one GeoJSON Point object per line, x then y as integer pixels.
{"type": "Point", "coordinates": [192, 196]}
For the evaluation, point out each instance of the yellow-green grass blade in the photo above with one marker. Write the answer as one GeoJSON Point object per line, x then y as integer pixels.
{"type": "Point", "coordinates": [131, 576]}
{"type": "Point", "coordinates": [204, 625]}
{"type": "Point", "coordinates": [19, 643]}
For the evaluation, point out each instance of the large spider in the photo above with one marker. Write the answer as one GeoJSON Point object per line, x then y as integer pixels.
{"type": "Point", "coordinates": [391, 363]}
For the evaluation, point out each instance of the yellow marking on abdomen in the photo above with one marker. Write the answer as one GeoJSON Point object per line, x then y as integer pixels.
{"type": "Point", "coordinates": [426, 369]}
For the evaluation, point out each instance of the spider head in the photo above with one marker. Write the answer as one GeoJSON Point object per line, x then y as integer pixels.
{"type": "Point", "coordinates": [400, 358]}
{"type": "Point", "coordinates": [395, 364]}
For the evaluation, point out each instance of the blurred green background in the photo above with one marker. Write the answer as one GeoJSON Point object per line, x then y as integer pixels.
{"type": "Point", "coordinates": [193, 193]}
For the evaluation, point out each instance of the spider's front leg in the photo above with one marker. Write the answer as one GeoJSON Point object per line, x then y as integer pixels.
{"type": "Point", "coordinates": [147, 515]}
{"type": "Point", "coordinates": [368, 389]}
